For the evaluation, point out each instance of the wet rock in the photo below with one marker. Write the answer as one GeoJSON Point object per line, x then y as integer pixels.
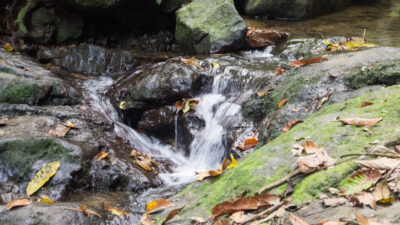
{"type": "Point", "coordinates": [24, 81]}
{"type": "Point", "coordinates": [69, 27]}
{"type": "Point", "coordinates": [287, 9]}
{"type": "Point", "coordinates": [159, 85]}
{"type": "Point", "coordinates": [89, 60]}
{"type": "Point", "coordinates": [209, 26]}
{"type": "Point", "coordinates": [158, 121]}
{"type": "Point", "coordinates": [189, 125]}
{"type": "Point", "coordinates": [170, 6]}
{"type": "Point", "coordinates": [42, 25]}
{"type": "Point", "coordinates": [259, 38]}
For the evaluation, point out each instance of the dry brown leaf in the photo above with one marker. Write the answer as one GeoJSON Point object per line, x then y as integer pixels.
{"type": "Point", "coordinates": [101, 155]}
{"type": "Point", "coordinates": [158, 205]}
{"type": "Point", "coordinates": [310, 147]}
{"type": "Point", "coordinates": [69, 124]}
{"type": "Point", "coordinates": [214, 173]}
{"type": "Point", "coordinates": [146, 220]}
{"type": "Point", "coordinates": [363, 220]}
{"type": "Point", "coordinates": [295, 220]}
{"type": "Point", "coordinates": [366, 103]}
{"type": "Point", "coordinates": [89, 212]}
{"type": "Point", "coordinates": [333, 75]}
{"type": "Point", "coordinates": [59, 131]}
{"type": "Point", "coordinates": [323, 100]}
{"type": "Point", "coordinates": [114, 210]}
{"type": "Point", "coordinates": [135, 153]}
{"type": "Point", "coordinates": [279, 71]}
{"type": "Point", "coordinates": [297, 149]}
{"type": "Point", "coordinates": [18, 203]}
{"type": "Point", "coordinates": [282, 102]}
{"type": "Point", "coordinates": [239, 217]}
{"type": "Point", "coordinates": [300, 63]}
{"type": "Point", "coordinates": [332, 202]}
{"type": "Point", "coordinates": [291, 124]}
{"type": "Point", "coordinates": [327, 222]}
{"type": "Point", "coordinates": [380, 163]}
{"type": "Point", "coordinates": [261, 93]}
{"type": "Point", "coordinates": [248, 144]}
{"type": "Point", "coordinates": [222, 221]}
{"type": "Point", "coordinates": [382, 193]}
{"type": "Point", "coordinates": [316, 161]}
{"type": "Point", "coordinates": [243, 204]}
{"type": "Point", "coordinates": [361, 122]}
{"type": "Point", "coordinates": [191, 61]}
{"type": "Point", "coordinates": [363, 199]}
{"type": "Point", "coordinates": [172, 214]}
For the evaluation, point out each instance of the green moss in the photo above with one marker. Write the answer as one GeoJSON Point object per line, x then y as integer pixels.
{"type": "Point", "coordinates": [21, 15]}
{"type": "Point", "coordinates": [21, 154]}
{"type": "Point", "coordinates": [311, 186]}
{"type": "Point", "coordinates": [20, 92]}
{"type": "Point", "coordinates": [274, 160]}
{"type": "Point", "coordinates": [387, 73]}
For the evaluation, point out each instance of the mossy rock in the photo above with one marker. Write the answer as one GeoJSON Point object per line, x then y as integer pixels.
{"type": "Point", "coordinates": [209, 26]}
{"type": "Point", "coordinates": [274, 160]}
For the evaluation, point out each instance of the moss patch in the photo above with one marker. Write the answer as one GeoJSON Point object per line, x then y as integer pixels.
{"type": "Point", "coordinates": [273, 161]}
{"type": "Point", "coordinates": [20, 92]}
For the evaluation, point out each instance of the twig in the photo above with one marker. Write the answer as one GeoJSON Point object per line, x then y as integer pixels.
{"type": "Point", "coordinates": [278, 182]}
{"type": "Point", "coordinates": [264, 213]}
{"type": "Point", "coordinates": [371, 154]}
{"type": "Point", "coordinates": [391, 171]}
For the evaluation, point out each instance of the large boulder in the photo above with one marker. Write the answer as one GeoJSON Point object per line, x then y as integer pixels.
{"type": "Point", "coordinates": [209, 26]}
{"type": "Point", "coordinates": [289, 9]}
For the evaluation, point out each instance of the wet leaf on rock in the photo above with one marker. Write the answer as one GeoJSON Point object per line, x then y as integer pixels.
{"type": "Point", "coordinates": [45, 199]}
{"type": "Point", "coordinates": [8, 47]}
{"type": "Point", "coordinates": [191, 61]}
{"type": "Point", "coordinates": [279, 71]}
{"type": "Point", "coordinates": [172, 214]}
{"type": "Point", "coordinates": [42, 177]}
{"type": "Point", "coordinates": [122, 105]}
{"type": "Point", "coordinates": [310, 147]}
{"type": "Point", "coordinates": [69, 124]}
{"type": "Point", "coordinates": [80, 76]}
{"type": "Point", "coordinates": [261, 93]}
{"type": "Point", "coordinates": [295, 220]}
{"type": "Point", "coordinates": [359, 181]}
{"type": "Point", "coordinates": [146, 162]}
{"type": "Point", "coordinates": [158, 205]}
{"type": "Point", "coordinates": [291, 124]}
{"type": "Point", "coordinates": [101, 155]}
{"type": "Point", "coordinates": [213, 173]}
{"type": "Point", "coordinates": [215, 64]}
{"type": "Point", "coordinates": [366, 103]}
{"type": "Point", "coordinates": [59, 131]}
{"type": "Point", "coordinates": [244, 204]}
{"type": "Point", "coordinates": [146, 220]}
{"type": "Point", "coordinates": [135, 153]}
{"type": "Point", "coordinates": [234, 163]}
{"type": "Point", "coordinates": [89, 212]}
{"type": "Point", "coordinates": [282, 103]}
{"type": "Point", "coordinates": [316, 161]}
{"type": "Point", "coordinates": [114, 210]}
{"type": "Point", "coordinates": [18, 203]}
{"type": "Point", "coordinates": [248, 144]}
{"type": "Point", "coordinates": [361, 122]}
{"type": "Point", "coordinates": [300, 63]}
{"type": "Point", "coordinates": [323, 100]}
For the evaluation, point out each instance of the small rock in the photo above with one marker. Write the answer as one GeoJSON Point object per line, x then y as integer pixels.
{"type": "Point", "coordinates": [259, 38]}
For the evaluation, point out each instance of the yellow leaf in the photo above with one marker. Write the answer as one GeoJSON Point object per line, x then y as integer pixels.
{"type": "Point", "coordinates": [101, 156]}
{"type": "Point", "coordinates": [17, 203]}
{"type": "Point", "coordinates": [114, 210]}
{"type": "Point", "coordinates": [215, 64]}
{"type": "Point", "coordinates": [143, 165]}
{"type": "Point", "coordinates": [352, 44]}
{"type": "Point", "coordinates": [158, 205]}
{"type": "Point", "coordinates": [45, 199]}
{"type": "Point", "coordinates": [69, 124]}
{"type": "Point", "coordinates": [282, 103]}
{"type": "Point", "coordinates": [122, 105]}
{"type": "Point", "coordinates": [233, 164]}
{"type": "Point", "coordinates": [187, 107]}
{"type": "Point", "coordinates": [8, 47]}
{"type": "Point", "coordinates": [42, 177]}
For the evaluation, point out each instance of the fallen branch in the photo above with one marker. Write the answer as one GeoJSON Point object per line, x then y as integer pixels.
{"type": "Point", "coordinates": [371, 154]}
{"type": "Point", "coordinates": [264, 213]}
{"type": "Point", "coordinates": [279, 182]}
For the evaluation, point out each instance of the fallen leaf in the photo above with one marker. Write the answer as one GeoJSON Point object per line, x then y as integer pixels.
{"type": "Point", "coordinates": [279, 71]}
{"type": "Point", "coordinates": [239, 217]}
{"type": "Point", "coordinates": [332, 202]}
{"type": "Point", "coordinates": [42, 177]}
{"type": "Point", "coordinates": [300, 63]}
{"type": "Point", "coordinates": [8, 47]}
{"type": "Point", "coordinates": [316, 161]}
{"type": "Point", "coordinates": [382, 193]}
{"type": "Point", "coordinates": [359, 181]}
{"type": "Point", "coordinates": [69, 124]}
{"type": "Point", "coordinates": [261, 93]}
{"type": "Point", "coordinates": [244, 204]}
{"type": "Point", "coordinates": [295, 220]}
{"type": "Point", "coordinates": [80, 76]}
{"type": "Point", "coordinates": [397, 148]}
{"type": "Point", "coordinates": [248, 144]}
{"type": "Point", "coordinates": [191, 61]}
{"type": "Point", "coordinates": [297, 149]}
{"type": "Point", "coordinates": [59, 131]}
{"type": "Point", "coordinates": [146, 220]}
{"type": "Point", "coordinates": [146, 162]}
{"type": "Point", "coordinates": [214, 173]}
{"type": "Point", "coordinates": [84, 107]}
{"type": "Point", "coordinates": [114, 210]}
{"type": "Point", "coordinates": [215, 64]}
{"type": "Point", "coordinates": [333, 75]}
{"type": "Point", "coordinates": [172, 214]}
{"type": "Point", "coordinates": [366, 103]}
{"type": "Point", "coordinates": [101, 155]}
{"type": "Point", "coordinates": [310, 147]}
{"type": "Point", "coordinates": [222, 221]}
{"type": "Point", "coordinates": [158, 205]}
{"type": "Point", "coordinates": [45, 199]}
{"type": "Point", "coordinates": [135, 153]}
{"type": "Point", "coordinates": [382, 163]}
{"type": "Point", "coordinates": [122, 105]}
{"type": "Point", "coordinates": [323, 100]}
{"type": "Point", "coordinates": [186, 105]}
{"type": "Point", "coordinates": [291, 124]}
{"type": "Point", "coordinates": [282, 102]}
{"type": "Point", "coordinates": [234, 163]}
{"type": "Point", "coordinates": [89, 212]}
{"type": "Point", "coordinates": [361, 219]}
{"type": "Point", "coordinates": [327, 222]}
{"type": "Point", "coordinates": [360, 122]}
{"type": "Point", "coordinates": [179, 105]}
{"type": "Point", "coordinates": [17, 203]}
{"type": "Point", "coordinates": [362, 199]}
{"type": "Point", "coordinates": [2, 61]}
{"type": "Point", "coordinates": [197, 220]}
